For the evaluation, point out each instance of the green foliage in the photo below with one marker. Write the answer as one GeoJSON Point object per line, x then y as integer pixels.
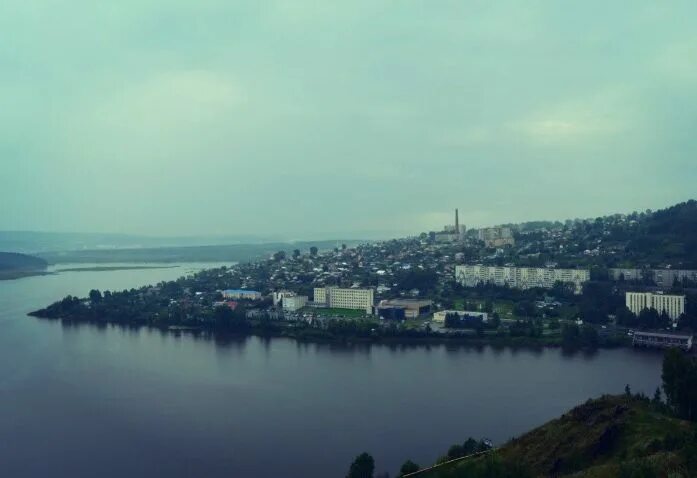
{"type": "Point", "coordinates": [680, 383]}
{"type": "Point", "coordinates": [574, 336]}
{"type": "Point", "coordinates": [362, 467]}
{"type": "Point", "coordinates": [408, 467]}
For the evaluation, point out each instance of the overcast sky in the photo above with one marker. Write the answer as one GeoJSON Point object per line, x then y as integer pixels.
{"type": "Point", "coordinates": [315, 119]}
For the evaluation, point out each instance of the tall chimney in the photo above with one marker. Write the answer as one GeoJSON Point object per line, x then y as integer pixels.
{"type": "Point", "coordinates": [457, 222]}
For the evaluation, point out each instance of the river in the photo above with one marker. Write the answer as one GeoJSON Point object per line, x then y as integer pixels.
{"type": "Point", "coordinates": [83, 401]}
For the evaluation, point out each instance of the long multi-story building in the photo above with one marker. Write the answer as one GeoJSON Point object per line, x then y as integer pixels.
{"type": "Point", "coordinates": [664, 278]}
{"type": "Point", "coordinates": [334, 297]}
{"type": "Point", "coordinates": [673, 305]}
{"type": "Point", "coordinates": [241, 294]}
{"type": "Point", "coordinates": [520, 277]}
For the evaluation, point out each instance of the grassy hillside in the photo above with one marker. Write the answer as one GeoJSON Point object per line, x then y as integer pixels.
{"type": "Point", "coordinates": [614, 436]}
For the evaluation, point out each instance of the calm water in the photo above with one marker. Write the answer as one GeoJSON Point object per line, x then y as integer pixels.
{"type": "Point", "coordinates": [85, 402]}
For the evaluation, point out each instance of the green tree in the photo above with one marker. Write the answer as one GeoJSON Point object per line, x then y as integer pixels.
{"type": "Point", "coordinates": [455, 451]}
{"type": "Point", "coordinates": [657, 395]}
{"type": "Point", "coordinates": [679, 377]}
{"type": "Point", "coordinates": [95, 296]}
{"type": "Point", "coordinates": [570, 335]}
{"type": "Point", "coordinates": [589, 336]}
{"type": "Point", "coordinates": [279, 256]}
{"type": "Point", "coordinates": [408, 467]}
{"type": "Point", "coordinates": [362, 467]}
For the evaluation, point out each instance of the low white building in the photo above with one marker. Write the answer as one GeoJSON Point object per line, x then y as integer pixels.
{"type": "Point", "coordinates": [441, 314]}
{"type": "Point", "coordinates": [673, 305]}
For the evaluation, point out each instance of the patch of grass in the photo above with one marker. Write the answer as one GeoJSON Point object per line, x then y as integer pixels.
{"type": "Point", "coordinates": [345, 313]}
{"type": "Point", "coordinates": [604, 438]}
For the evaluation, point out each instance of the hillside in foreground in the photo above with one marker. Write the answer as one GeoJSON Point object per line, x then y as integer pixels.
{"type": "Point", "coordinates": [613, 436]}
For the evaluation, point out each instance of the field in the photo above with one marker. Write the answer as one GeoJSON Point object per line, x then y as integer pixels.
{"type": "Point", "coordinates": [339, 313]}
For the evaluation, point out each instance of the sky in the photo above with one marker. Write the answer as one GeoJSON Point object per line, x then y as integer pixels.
{"type": "Point", "coordinates": [314, 119]}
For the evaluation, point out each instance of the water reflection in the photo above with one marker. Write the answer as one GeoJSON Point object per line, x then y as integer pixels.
{"type": "Point", "coordinates": [205, 404]}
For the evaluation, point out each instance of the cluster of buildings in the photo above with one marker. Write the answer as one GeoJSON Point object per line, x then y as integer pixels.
{"type": "Point", "coordinates": [663, 278]}
{"type": "Point", "coordinates": [673, 305]}
{"type": "Point", "coordinates": [520, 277]}
{"type": "Point", "coordinates": [452, 233]}
{"type": "Point", "coordinates": [496, 237]}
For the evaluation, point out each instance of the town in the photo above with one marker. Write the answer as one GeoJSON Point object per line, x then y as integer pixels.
{"type": "Point", "coordinates": [582, 283]}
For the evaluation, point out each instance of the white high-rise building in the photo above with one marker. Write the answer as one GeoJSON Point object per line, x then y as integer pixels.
{"type": "Point", "coordinates": [520, 277]}
{"type": "Point", "coordinates": [361, 299]}
{"type": "Point", "coordinates": [673, 305]}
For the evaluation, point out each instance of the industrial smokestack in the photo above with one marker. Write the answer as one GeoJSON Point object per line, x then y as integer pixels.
{"type": "Point", "coordinates": [457, 222]}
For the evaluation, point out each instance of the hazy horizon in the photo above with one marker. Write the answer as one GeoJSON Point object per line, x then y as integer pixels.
{"type": "Point", "coordinates": [306, 121]}
{"type": "Point", "coordinates": [348, 235]}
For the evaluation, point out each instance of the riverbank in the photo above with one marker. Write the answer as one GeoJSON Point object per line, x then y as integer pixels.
{"type": "Point", "coordinates": [307, 334]}
{"type": "Point", "coordinates": [12, 274]}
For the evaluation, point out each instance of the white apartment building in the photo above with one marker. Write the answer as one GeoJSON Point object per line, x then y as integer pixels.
{"type": "Point", "coordinates": [520, 277]}
{"type": "Point", "coordinates": [334, 297]}
{"type": "Point", "coordinates": [673, 305]}
{"type": "Point", "coordinates": [294, 303]}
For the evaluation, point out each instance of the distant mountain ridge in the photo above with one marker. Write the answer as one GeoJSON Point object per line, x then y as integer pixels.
{"type": "Point", "coordinates": [225, 253]}
{"type": "Point", "coordinates": [30, 242]}
{"type": "Point", "coordinates": [14, 265]}
{"type": "Point", "coordinates": [21, 262]}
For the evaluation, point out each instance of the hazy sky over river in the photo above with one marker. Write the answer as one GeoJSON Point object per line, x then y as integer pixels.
{"type": "Point", "coordinates": [320, 119]}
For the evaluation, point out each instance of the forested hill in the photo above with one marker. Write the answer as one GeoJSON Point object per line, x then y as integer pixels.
{"type": "Point", "coordinates": [663, 238]}
{"type": "Point", "coordinates": [12, 261]}
{"type": "Point", "coordinates": [666, 235]}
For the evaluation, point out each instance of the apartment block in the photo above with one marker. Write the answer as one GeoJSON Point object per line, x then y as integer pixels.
{"type": "Point", "coordinates": [335, 297]}
{"type": "Point", "coordinates": [673, 305]}
{"type": "Point", "coordinates": [520, 277]}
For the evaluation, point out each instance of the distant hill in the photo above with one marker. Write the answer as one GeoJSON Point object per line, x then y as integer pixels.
{"type": "Point", "coordinates": [12, 261]}
{"type": "Point", "coordinates": [14, 265]}
{"type": "Point", "coordinates": [30, 242]}
{"type": "Point", "coordinates": [666, 235]}
{"type": "Point", "coordinates": [614, 436]}
{"type": "Point", "coordinates": [229, 253]}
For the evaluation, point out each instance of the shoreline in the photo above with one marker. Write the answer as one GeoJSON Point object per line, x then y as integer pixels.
{"type": "Point", "coordinates": [318, 336]}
